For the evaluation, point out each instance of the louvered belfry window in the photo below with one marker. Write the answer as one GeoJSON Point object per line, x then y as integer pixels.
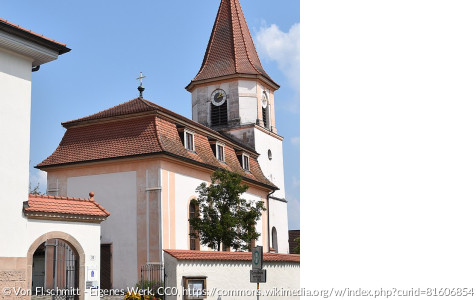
{"type": "Point", "coordinates": [219, 114]}
{"type": "Point", "coordinates": [265, 117]}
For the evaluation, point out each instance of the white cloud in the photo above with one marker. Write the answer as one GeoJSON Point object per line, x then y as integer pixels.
{"type": "Point", "coordinates": [38, 177]}
{"type": "Point", "coordinates": [294, 214]}
{"type": "Point", "coordinates": [296, 182]}
{"type": "Point", "coordinates": [296, 141]}
{"type": "Point", "coordinates": [283, 48]}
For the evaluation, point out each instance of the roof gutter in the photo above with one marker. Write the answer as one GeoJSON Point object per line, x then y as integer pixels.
{"type": "Point", "coordinates": [44, 168]}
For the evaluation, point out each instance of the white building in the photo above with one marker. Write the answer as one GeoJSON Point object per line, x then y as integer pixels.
{"type": "Point", "coordinates": [144, 162]}
{"type": "Point", "coordinates": [29, 222]}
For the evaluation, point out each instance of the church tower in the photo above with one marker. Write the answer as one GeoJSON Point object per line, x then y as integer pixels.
{"type": "Point", "coordinates": [234, 95]}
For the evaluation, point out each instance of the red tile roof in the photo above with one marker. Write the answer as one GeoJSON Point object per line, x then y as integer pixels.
{"type": "Point", "coordinates": [65, 205]}
{"type": "Point", "coordinates": [230, 49]}
{"type": "Point", "coordinates": [236, 256]}
{"type": "Point", "coordinates": [140, 127]}
{"type": "Point", "coordinates": [134, 106]}
{"type": "Point", "coordinates": [18, 30]}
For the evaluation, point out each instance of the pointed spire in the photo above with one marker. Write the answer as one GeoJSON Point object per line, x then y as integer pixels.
{"type": "Point", "coordinates": [230, 49]}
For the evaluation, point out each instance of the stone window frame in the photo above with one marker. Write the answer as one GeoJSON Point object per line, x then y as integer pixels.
{"type": "Point", "coordinates": [186, 279]}
{"type": "Point", "coordinates": [186, 141]}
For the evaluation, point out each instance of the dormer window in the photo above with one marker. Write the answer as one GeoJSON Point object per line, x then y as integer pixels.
{"type": "Point", "coordinates": [244, 161]}
{"type": "Point", "coordinates": [189, 142]}
{"type": "Point", "coordinates": [187, 138]}
{"type": "Point", "coordinates": [218, 150]}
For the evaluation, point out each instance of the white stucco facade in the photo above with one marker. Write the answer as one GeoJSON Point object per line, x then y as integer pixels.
{"type": "Point", "coordinates": [233, 276]}
{"type": "Point", "coordinates": [20, 50]}
{"type": "Point", "coordinates": [86, 234]}
{"type": "Point", "coordinates": [118, 193]}
{"type": "Point", "coordinates": [15, 93]}
{"type": "Point", "coordinates": [185, 191]}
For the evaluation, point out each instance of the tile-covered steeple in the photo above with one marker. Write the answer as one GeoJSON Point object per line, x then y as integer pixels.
{"type": "Point", "coordinates": [230, 50]}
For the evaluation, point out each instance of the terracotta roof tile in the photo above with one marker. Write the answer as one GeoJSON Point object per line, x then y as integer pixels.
{"type": "Point", "coordinates": [65, 205]}
{"type": "Point", "coordinates": [14, 28]}
{"type": "Point", "coordinates": [106, 140]}
{"type": "Point", "coordinates": [226, 256]}
{"type": "Point", "coordinates": [134, 106]}
{"type": "Point", "coordinates": [121, 132]}
{"type": "Point", "coordinates": [230, 49]}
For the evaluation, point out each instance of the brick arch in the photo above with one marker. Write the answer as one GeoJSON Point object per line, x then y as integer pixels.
{"type": "Point", "coordinates": [72, 242]}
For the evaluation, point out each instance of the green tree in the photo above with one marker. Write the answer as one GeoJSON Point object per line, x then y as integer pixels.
{"type": "Point", "coordinates": [224, 217]}
{"type": "Point", "coordinates": [297, 249]}
{"type": "Point", "coordinates": [35, 190]}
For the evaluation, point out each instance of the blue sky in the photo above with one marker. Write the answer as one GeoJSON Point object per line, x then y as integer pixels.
{"type": "Point", "coordinates": [112, 41]}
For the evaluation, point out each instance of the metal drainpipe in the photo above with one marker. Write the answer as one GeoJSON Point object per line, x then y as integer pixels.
{"type": "Point", "coordinates": [147, 214]}
{"type": "Point", "coordinates": [160, 215]}
{"type": "Point", "coordinates": [158, 188]}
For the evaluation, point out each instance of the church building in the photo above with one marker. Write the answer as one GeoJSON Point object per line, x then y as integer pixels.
{"type": "Point", "coordinates": [144, 161]}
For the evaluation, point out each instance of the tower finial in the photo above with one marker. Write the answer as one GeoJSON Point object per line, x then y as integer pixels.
{"type": "Point", "coordinates": [140, 88]}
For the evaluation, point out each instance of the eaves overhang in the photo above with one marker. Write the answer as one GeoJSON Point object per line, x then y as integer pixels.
{"type": "Point", "coordinates": [40, 49]}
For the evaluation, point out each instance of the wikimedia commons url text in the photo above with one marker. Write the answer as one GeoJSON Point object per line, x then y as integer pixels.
{"type": "Point", "coordinates": [270, 292]}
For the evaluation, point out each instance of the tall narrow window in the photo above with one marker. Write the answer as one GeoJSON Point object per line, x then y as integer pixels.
{"type": "Point", "coordinates": [220, 152]}
{"type": "Point", "coordinates": [265, 117]}
{"type": "Point", "coordinates": [274, 235]}
{"type": "Point", "coordinates": [246, 162]}
{"type": "Point", "coordinates": [264, 109]}
{"type": "Point", "coordinates": [189, 145]}
{"type": "Point", "coordinates": [219, 113]}
{"type": "Point", "coordinates": [194, 244]}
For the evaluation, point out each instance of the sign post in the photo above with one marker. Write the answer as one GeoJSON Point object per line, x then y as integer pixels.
{"type": "Point", "coordinates": [257, 274]}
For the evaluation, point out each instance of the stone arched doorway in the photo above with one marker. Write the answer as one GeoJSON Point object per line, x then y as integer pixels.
{"type": "Point", "coordinates": [67, 268]}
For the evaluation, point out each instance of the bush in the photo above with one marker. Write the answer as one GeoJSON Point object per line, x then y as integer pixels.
{"type": "Point", "coordinates": [146, 285]}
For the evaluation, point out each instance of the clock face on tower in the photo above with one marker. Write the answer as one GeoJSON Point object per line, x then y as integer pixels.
{"type": "Point", "coordinates": [218, 97]}
{"type": "Point", "coordinates": [264, 100]}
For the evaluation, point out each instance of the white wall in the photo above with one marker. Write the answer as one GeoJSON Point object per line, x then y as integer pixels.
{"type": "Point", "coordinates": [278, 217]}
{"type": "Point", "coordinates": [249, 102]}
{"type": "Point", "coordinates": [117, 193]}
{"type": "Point", "coordinates": [248, 111]}
{"type": "Point", "coordinates": [274, 170]}
{"type": "Point", "coordinates": [259, 224]}
{"type": "Point", "coordinates": [232, 275]}
{"type": "Point", "coordinates": [87, 234]}
{"type": "Point", "coordinates": [15, 93]}
{"type": "Point", "coordinates": [185, 190]}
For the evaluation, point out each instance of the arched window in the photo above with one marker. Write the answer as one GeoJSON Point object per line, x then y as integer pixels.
{"type": "Point", "coordinates": [194, 241]}
{"type": "Point", "coordinates": [274, 235]}
{"type": "Point", "coordinates": [219, 114]}
{"type": "Point", "coordinates": [265, 110]}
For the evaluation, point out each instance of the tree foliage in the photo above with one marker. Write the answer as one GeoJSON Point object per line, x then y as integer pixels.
{"type": "Point", "coordinates": [297, 249]}
{"type": "Point", "coordinates": [35, 190]}
{"type": "Point", "coordinates": [224, 217]}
